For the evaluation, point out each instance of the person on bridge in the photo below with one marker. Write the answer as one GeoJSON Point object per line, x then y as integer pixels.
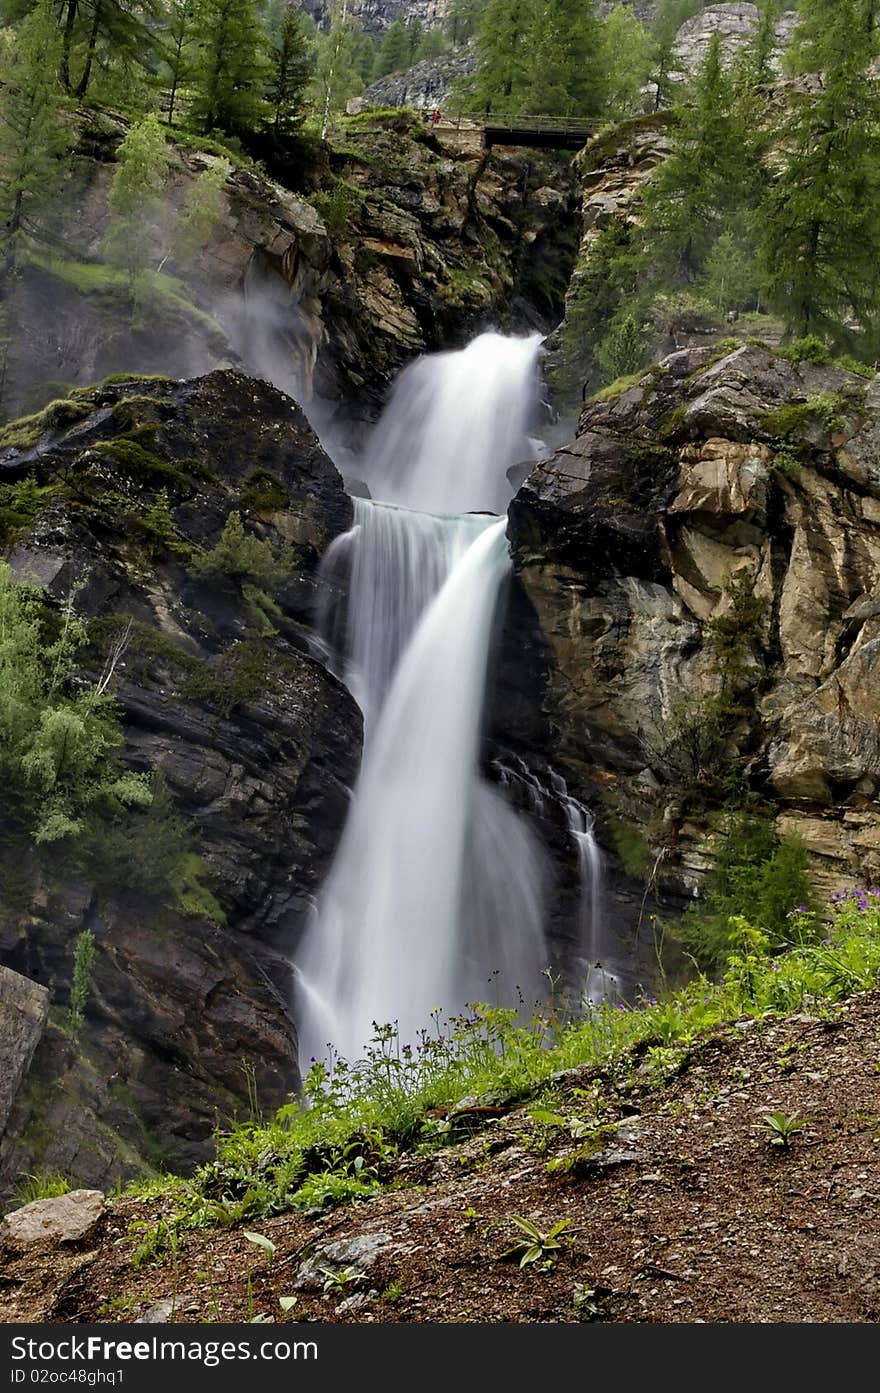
{"type": "Point", "coordinates": [435, 119]}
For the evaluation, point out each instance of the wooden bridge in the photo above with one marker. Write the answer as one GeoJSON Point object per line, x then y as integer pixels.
{"type": "Point", "coordinates": [543, 132]}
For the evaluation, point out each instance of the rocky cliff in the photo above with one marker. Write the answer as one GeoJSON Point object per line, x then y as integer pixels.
{"type": "Point", "coordinates": [222, 695]}
{"type": "Point", "coordinates": [396, 243]}
{"type": "Point", "coordinates": [704, 562]}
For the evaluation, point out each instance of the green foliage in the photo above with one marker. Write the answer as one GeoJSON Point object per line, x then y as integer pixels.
{"type": "Point", "coordinates": [820, 220]}
{"type": "Point", "coordinates": [135, 200]}
{"type": "Point", "coordinates": [336, 76]}
{"type": "Point", "coordinates": [629, 53]}
{"type": "Point", "coordinates": [826, 409]}
{"type": "Point", "coordinates": [20, 504]}
{"type": "Point", "coordinates": [781, 1127]}
{"type": "Point", "coordinates": [755, 874]}
{"type": "Point", "coordinates": [263, 492]}
{"type": "Point", "coordinates": [339, 1279]}
{"type": "Point", "coordinates": [354, 1116]}
{"type": "Point", "coordinates": [202, 210]}
{"type": "Point", "coordinates": [231, 70]}
{"type": "Point", "coordinates": [83, 958]}
{"type": "Point", "coordinates": [32, 136]}
{"type": "Point", "coordinates": [537, 1246]}
{"type": "Point", "coordinates": [58, 733]}
{"type": "Point", "coordinates": [545, 58]}
{"type": "Point", "coordinates": [811, 349]}
{"type": "Point", "coordinates": [241, 556]}
{"type": "Point", "coordinates": [46, 1185]}
{"type": "Point", "coordinates": [291, 60]}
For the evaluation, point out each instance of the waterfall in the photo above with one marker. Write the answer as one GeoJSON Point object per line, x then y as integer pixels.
{"type": "Point", "coordinates": [599, 982]}
{"type": "Point", "coordinates": [435, 896]}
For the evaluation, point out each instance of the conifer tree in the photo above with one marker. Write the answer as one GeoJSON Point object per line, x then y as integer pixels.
{"type": "Point", "coordinates": [710, 176]}
{"type": "Point", "coordinates": [504, 57]}
{"type": "Point", "coordinates": [32, 138]}
{"type": "Point", "coordinates": [291, 72]}
{"type": "Point", "coordinates": [566, 73]}
{"type": "Point", "coordinates": [671, 15]}
{"type": "Point", "coordinates": [820, 223]}
{"type": "Point", "coordinates": [628, 53]}
{"type": "Point", "coordinates": [179, 42]}
{"type": "Point", "coordinates": [760, 52]}
{"type": "Point", "coordinates": [230, 73]}
{"type": "Point", "coordinates": [135, 199]}
{"type": "Point", "coordinates": [394, 50]}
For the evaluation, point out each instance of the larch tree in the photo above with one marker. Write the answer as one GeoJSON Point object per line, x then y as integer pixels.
{"type": "Point", "coordinates": [566, 69]}
{"type": "Point", "coordinates": [291, 72]}
{"type": "Point", "coordinates": [820, 244]}
{"type": "Point", "coordinates": [179, 42]}
{"type": "Point", "coordinates": [230, 72]}
{"type": "Point", "coordinates": [707, 178]}
{"type": "Point", "coordinates": [32, 136]}
{"type": "Point", "coordinates": [628, 53]}
{"type": "Point", "coordinates": [504, 57]}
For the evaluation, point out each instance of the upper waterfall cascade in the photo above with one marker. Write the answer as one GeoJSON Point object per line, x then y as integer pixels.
{"type": "Point", "coordinates": [435, 898]}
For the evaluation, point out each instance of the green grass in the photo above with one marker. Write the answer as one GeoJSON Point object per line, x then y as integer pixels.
{"type": "Point", "coordinates": [45, 1185]}
{"type": "Point", "coordinates": [339, 1143]}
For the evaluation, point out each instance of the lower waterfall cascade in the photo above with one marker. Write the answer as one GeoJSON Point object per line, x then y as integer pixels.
{"type": "Point", "coordinates": [436, 896]}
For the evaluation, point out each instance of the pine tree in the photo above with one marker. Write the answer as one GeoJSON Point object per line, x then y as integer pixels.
{"type": "Point", "coordinates": [291, 72]}
{"type": "Point", "coordinates": [671, 15]}
{"type": "Point", "coordinates": [32, 138]}
{"type": "Point", "coordinates": [135, 200]}
{"type": "Point", "coordinates": [502, 78]}
{"type": "Point", "coordinates": [820, 222]}
{"type": "Point", "coordinates": [394, 50]}
{"type": "Point", "coordinates": [761, 50]}
{"type": "Point", "coordinates": [712, 175]}
{"type": "Point", "coordinates": [180, 37]}
{"type": "Point", "coordinates": [230, 73]}
{"type": "Point", "coordinates": [628, 55]}
{"type": "Point", "coordinates": [125, 30]}
{"type": "Point", "coordinates": [566, 69]}
{"type": "Point", "coordinates": [463, 19]}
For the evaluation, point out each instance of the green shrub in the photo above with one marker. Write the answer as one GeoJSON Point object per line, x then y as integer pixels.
{"type": "Point", "coordinates": [58, 735]}
{"type": "Point", "coordinates": [262, 492]}
{"type": "Point", "coordinates": [241, 556]}
{"type": "Point", "coordinates": [811, 349]}
{"type": "Point", "coordinates": [756, 875]}
{"type": "Point", "coordinates": [83, 958]}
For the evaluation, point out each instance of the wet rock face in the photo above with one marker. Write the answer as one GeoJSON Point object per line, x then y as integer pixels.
{"type": "Point", "coordinates": [401, 244]}
{"type": "Point", "coordinates": [257, 744]}
{"type": "Point", "coordinates": [743, 492]}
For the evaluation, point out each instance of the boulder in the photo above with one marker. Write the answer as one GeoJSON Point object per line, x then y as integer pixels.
{"type": "Point", "coordinates": [71, 1218]}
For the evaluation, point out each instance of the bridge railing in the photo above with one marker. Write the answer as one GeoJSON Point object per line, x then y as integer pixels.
{"type": "Point", "coordinates": [568, 125]}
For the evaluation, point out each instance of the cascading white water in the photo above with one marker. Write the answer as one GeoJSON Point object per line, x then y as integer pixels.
{"type": "Point", "coordinates": [600, 982]}
{"type": "Point", "coordinates": [454, 425]}
{"type": "Point", "coordinates": [437, 884]}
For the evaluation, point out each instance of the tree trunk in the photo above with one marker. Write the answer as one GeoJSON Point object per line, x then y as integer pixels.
{"type": "Point", "coordinates": [70, 21]}
{"type": "Point", "coordinates": [83, 84]}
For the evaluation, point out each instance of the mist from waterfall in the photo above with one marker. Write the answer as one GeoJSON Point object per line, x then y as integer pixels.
{"type": "Point", "coordinates": [435, 898]}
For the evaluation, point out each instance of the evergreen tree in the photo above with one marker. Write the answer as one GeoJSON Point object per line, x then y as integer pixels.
{"type": "Point", "coordinates": [671, 15]}
{"type": "Point", "coordinates": [32, 138]}
{"type": "Point", "coordinates": [566, 76]}
{"type": "Point", "coordinates": [291, 73]}
{"type": "Point", "coordinates": [504, 57]}
{"type": "Point", "coordinates": [135, 200]}
{"type": "Point", "coordinates": [463, 20]}
{"type": "Point", "coordinates": [393, 55]}
{"type": "Point", "coordinates": [123, 30]}
{"type": "Point", "coordinates": [628, 54]}
{"type": "Point", "coordinates": [760, 52]}
{"type": "Point", "coordinates": [230, 73]}
{"type": "Point", "coordinates": [179, 43]}
{"type": "Point", "coordinates": [711, 175]}
{"type": "Point", "coordinates": [807, 51]}
{"type": "Point", "coordinates": [821, 220]}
